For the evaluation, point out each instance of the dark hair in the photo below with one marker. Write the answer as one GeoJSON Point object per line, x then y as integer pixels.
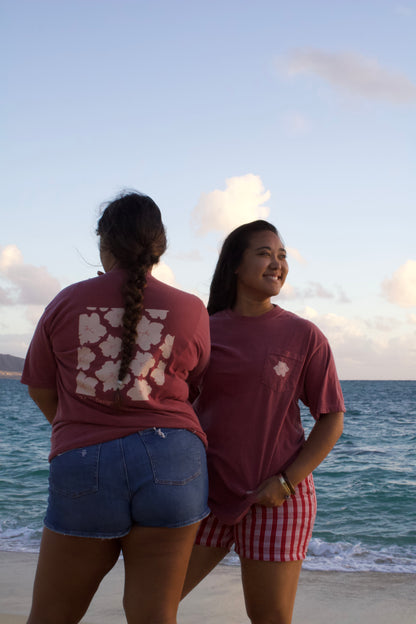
{"type": "Point", "coordinates": [131, 229]}
{"type": "Point", "coordinates": [223, 289]}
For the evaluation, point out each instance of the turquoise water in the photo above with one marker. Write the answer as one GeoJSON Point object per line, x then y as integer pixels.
{"type": "Point", "coordinates": [366, 488]}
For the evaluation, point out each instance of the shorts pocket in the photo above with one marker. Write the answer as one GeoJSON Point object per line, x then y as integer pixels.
{"type": "Point", "coordinates": [281, 371]}
{"type": "Point", "coordinates": [175, 455]}
{"type": "Point", "coordinates": [75, 473]}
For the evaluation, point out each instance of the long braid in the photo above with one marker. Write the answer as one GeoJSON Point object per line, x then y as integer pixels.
{"type": "Point", "coordinates": [133, 312]}
{"type": "Point", "coordinates": [131, 229]}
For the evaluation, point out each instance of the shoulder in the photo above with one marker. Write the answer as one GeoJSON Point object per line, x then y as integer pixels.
{"type": "Point", "coordinates": [302, 331]}
{"type": "Point", "coordinates": [185, 309]}
{"type": "Point", "coordinates": [174, 294]}
{"type": "Point", "coordinates": [221, 318]}
{"type": "Point", "coordinates": [101, 282]}
{"type": "Point", "coordinates": [298, 321]}
{"type": "Point", "coordinates": [93, 291]}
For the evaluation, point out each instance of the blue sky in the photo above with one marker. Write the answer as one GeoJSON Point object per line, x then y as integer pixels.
{"type": "Point", "coordinates": [299, 112]}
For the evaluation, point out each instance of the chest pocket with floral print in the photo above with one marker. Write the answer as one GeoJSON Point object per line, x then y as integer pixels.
{"type": "Point", "coordinates": [281, 371]}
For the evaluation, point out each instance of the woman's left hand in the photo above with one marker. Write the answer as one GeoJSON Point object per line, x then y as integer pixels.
{"type": "Point", "coordinates": [270, 493]}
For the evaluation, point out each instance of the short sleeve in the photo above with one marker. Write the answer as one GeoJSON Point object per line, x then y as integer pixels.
{"type": "Point", "coordinates": [40, 365]}
{"type": "Point", "coordinates": [203, 347]}
{"type": "Point", "coordinates": [322, 391]}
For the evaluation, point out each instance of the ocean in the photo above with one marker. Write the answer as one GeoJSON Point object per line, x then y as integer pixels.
{"type": "Point", "coordinates": [366, 487]}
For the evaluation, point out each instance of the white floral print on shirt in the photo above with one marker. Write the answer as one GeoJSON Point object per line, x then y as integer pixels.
{"type": "Point", "coordinates": [99, 353]}
{"type": "Point", "coordinates": [281, 369]}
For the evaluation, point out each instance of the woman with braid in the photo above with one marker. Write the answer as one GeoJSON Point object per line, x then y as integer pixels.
{"type": "Point", "coordinates": [109, 366]}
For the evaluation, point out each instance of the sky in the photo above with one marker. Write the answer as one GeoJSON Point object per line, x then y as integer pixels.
{"type": "Point", "coordinates": [302, 113]}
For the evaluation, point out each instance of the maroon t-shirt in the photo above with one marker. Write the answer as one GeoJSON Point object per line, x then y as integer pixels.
{"type": "Point", "coordinates": [76, 349]}
{"type": "Point", "coordinates": [260, 368]}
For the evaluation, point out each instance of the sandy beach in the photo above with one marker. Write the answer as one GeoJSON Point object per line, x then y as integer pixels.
{"type": "Point", "coordinates": [323, 597]}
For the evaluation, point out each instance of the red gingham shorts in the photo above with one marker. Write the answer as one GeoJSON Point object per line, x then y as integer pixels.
{"type": "Point", "coordinates": [267, 533]}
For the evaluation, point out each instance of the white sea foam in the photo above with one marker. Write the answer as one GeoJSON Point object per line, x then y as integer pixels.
{"type": "Point", "coordinates": [324, 556]}
{"type": "Point", "coordinates": [20, 539]}
{"type": "Point", "coordinates": [347, 557]}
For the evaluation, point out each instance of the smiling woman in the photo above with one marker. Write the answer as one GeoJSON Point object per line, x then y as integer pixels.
{"type": "Point", "coordinates": [261, 274]}
{"type": "Point", "coordinates": [263, 361]}
{"type": "Point", "coordinates": [223, 293]}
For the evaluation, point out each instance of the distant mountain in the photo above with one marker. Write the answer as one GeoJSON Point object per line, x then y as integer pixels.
{"type": "Point", "coordinates": [11, 364]}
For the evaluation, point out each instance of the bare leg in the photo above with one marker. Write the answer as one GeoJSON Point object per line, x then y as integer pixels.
{"type": "Point", "coordinates": [270, 590]}
{"type": "Point", "coordinates": [68, 574]}
{"type": "Point", "coordinates": [155, 561]}
{"type": "Point", "coordinates": [202, 561]}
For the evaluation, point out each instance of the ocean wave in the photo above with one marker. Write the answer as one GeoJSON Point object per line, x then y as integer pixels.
{"type": "Point", "coordinates": [358, 557]}
{"type": "Point", "coordinates": [322, 555]}
{"type": "Point", "coordinates": [348, 557]}
{"type": "Point", "coordinates": [20, 539]}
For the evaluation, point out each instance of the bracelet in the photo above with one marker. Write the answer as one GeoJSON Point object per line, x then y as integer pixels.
{"type": "Point", "coordinates": [285, 486]}
{"type": "Point", "coordinates": [288, 483]}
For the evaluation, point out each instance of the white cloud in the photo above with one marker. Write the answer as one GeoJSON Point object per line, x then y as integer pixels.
{"type": "Point", "coordinates": [9, 256]}
{"type": "Point", "coordinates": [295, 253]}
{"type": "Point", "coordinates": [15, 344]}
{"type": "Point", "coordinates": [161, 271]}
{"type": "Point", "coordinates": [28, 284]}
{"type": "Point", "coordinates": [287, 292]}
{"type": "Point", "coordinates": [33, 313]}
{"type": "Point", "coordinates": [341, 296]}
{"type": "Point", "coordinates": [355, 73]}
{"type": "Point", "coordinates": [384, 323]}
{"type": "Point", "coordinates": [5, 298]}
{"type": "Point", "coordinates": [191, 256]}
{"type": "Point", "coordinates": [296, 124]}
{"type": "Point", "coordinates": [401, 288]}
{"type": "Point", "coordinates": [313, 290]}
{"type": "Point", "coordinates": [362, 354]}
{"type": "Point", "coordinates": [241, 202]}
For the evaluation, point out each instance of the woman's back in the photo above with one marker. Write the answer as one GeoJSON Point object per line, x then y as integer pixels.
{"type": "Point", "coordinates": [79, 346]}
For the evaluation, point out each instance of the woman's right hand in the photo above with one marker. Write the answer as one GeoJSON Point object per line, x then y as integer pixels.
{"type": "Point", "coordinates": [270, 493]}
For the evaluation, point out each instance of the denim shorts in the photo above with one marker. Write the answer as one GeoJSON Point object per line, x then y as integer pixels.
{"type": "Point", "coordinates": [152, 478]}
